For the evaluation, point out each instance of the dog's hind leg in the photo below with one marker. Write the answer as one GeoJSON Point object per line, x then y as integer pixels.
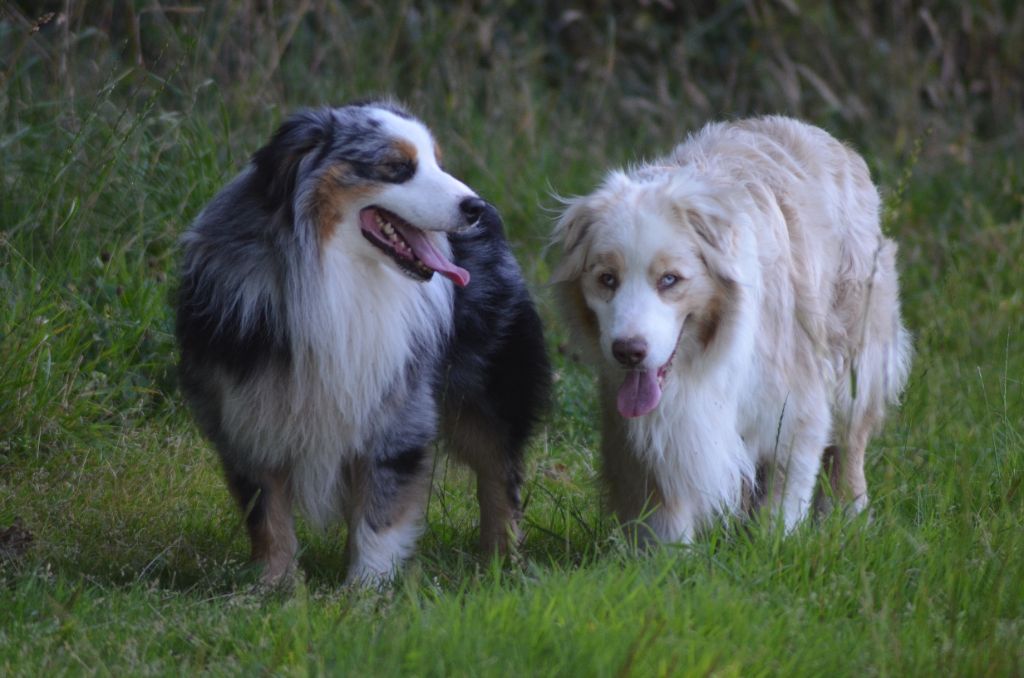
{"type": "Point", "coordinates": [846, 473]}
{"type": "Point", "coordinates": [386, 499]}
{"type": "Point", "coordinates": [497, 378]}
{"type": "Point", "coordinates": [824, 496]}
{"type": "Point", "coordinates": [856, 420]}
{"type": "Point", "coordinates": [482, 444]}
{"type": "Point", "coordinates": [494, 395]}
{"type": "Point", "coordinates": [267, 504]}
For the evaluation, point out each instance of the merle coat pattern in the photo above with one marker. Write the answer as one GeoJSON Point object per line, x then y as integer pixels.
{"type": "Point", "coordinates": [321, 353]}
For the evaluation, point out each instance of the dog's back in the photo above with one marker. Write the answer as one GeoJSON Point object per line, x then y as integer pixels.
{"type": "Point", "coordinates": [831, 213]}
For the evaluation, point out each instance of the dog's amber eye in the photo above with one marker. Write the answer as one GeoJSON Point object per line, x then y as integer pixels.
{"type": "Point", "coordinates": [608, 280]}
{"type": "Point", "coordinates": [668, 280]}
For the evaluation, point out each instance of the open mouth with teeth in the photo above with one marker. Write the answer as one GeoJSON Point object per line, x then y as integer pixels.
{"type": "Point", "coordinates": [640, 392]}
{"type": "Point", "coordinates": [410, 247]}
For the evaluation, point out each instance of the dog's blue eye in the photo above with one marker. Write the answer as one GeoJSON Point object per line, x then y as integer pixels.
{"type": "Point", "coordinates": [668, 280]}
{"type": "Point", "coordinates": [608, 280]}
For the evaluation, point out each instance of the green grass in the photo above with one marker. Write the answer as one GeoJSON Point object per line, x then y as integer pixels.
{"type": "Point", "coordinates": [136, 564]}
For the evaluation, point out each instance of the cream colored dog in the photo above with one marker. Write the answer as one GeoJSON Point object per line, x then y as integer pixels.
{"type": "Point", "coordinates": [742, 308]}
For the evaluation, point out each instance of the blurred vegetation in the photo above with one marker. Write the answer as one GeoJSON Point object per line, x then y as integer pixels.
{"type": "Point", "coordinates": [118, 121]}
{"type": "Point", "coordinates": [891, 69]}
{"type": "Point", "coordinates": [538, 77]}
{"type": "Point", "coordinates": [896, 67]}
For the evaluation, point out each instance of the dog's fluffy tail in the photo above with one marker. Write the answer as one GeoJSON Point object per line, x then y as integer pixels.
{"type": "Point", "coordinates": [877, 370]}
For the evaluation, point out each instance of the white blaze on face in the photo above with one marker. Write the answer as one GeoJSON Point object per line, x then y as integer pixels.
{"type": "Point", "coordinates": [431, 199]}
{"type": "Point", "coordinates": [633, 249]}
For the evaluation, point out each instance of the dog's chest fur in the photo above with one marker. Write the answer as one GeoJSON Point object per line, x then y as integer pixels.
{"type": "Point", "coordinates": [366, 346]}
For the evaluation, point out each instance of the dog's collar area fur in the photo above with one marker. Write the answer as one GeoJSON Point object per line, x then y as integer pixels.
{"type": "Point", "coordinates": [408, 246]}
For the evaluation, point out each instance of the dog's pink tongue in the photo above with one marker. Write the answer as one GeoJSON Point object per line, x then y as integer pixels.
{"type": "Point", "coordinates": [432, 257]}
{"type": "Point", "coordinates": [639, 393]}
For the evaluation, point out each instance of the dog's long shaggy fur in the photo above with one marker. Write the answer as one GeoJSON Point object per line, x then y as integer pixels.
{"type": "Point", "coordinates": [742, 308]}
{"type": "Point", "coordinates": [323, 343]}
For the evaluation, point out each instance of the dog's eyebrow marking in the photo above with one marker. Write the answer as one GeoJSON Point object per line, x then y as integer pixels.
{"type": "Point", "coordinates": [608, 259]}
{"type": "Point", "coordinates": [407, 149]}
{"type": "Point", "coordinates": [667, 262]}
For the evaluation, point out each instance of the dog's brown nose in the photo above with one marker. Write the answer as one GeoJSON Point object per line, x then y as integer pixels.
{"type": "Point", "coordinates": [629, 352]}
{"type": "Point", "coordinates": [472, 209]}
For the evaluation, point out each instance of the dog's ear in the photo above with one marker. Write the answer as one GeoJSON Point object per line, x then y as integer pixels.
{"type": "Point", "coordinates": [277, 163]}
{"type": "Point", "coordinates": [574, 229]}
{"type": "Point", "coordinates": [571, 232]}
{"type": "Point", "coordinates": [719, 240]}
{"type": "Point", "coordinates": [710, 226]}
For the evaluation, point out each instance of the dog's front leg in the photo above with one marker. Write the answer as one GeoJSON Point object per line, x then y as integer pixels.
{"type": "Point", "coordinates": [266, 500]}
{"type": "Point", "coordinates": [386, 500]}
{"type": "Point", "coordinates": [648, 510]}
{"type": "Point", "coordinates": [486, 446]}
{"type": "Point", "coordinates": [792, 481]}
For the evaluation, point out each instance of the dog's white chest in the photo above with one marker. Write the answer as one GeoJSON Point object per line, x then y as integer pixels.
{"type": "Point", "coordinates": [375, 320]}
{"type": "Point", "coordinates": [351, 347]}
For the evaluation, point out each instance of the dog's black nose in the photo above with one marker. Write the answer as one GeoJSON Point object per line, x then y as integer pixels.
{"type": "Point", "coordinates": [472, 209]}
{"type": "Point", "coordinates": [629, 352]}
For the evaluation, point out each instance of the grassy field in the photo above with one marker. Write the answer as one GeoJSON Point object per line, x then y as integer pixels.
{"type": "Point", "coordinates": [118, 121]}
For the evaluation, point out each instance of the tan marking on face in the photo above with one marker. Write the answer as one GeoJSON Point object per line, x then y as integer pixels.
{"type": "Point", "coordinates": [710, 318]}
{"type": "Point", "coordinates": [437, 153]}
{"type": "Point", "coordinates": [338, 190]}
{"type": "Point", "coordinates": [604, 262]}
{"type": "Point", "coordinates": [691, 289]}
{"type": "Point", "coordinates": [611, 261]}
{"type": "Point", "coordinates": [408, 506]}
{"type": "Point", "coordinates": [407, 150]}
{"type": "Point", "coordinates": [667, 263]}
